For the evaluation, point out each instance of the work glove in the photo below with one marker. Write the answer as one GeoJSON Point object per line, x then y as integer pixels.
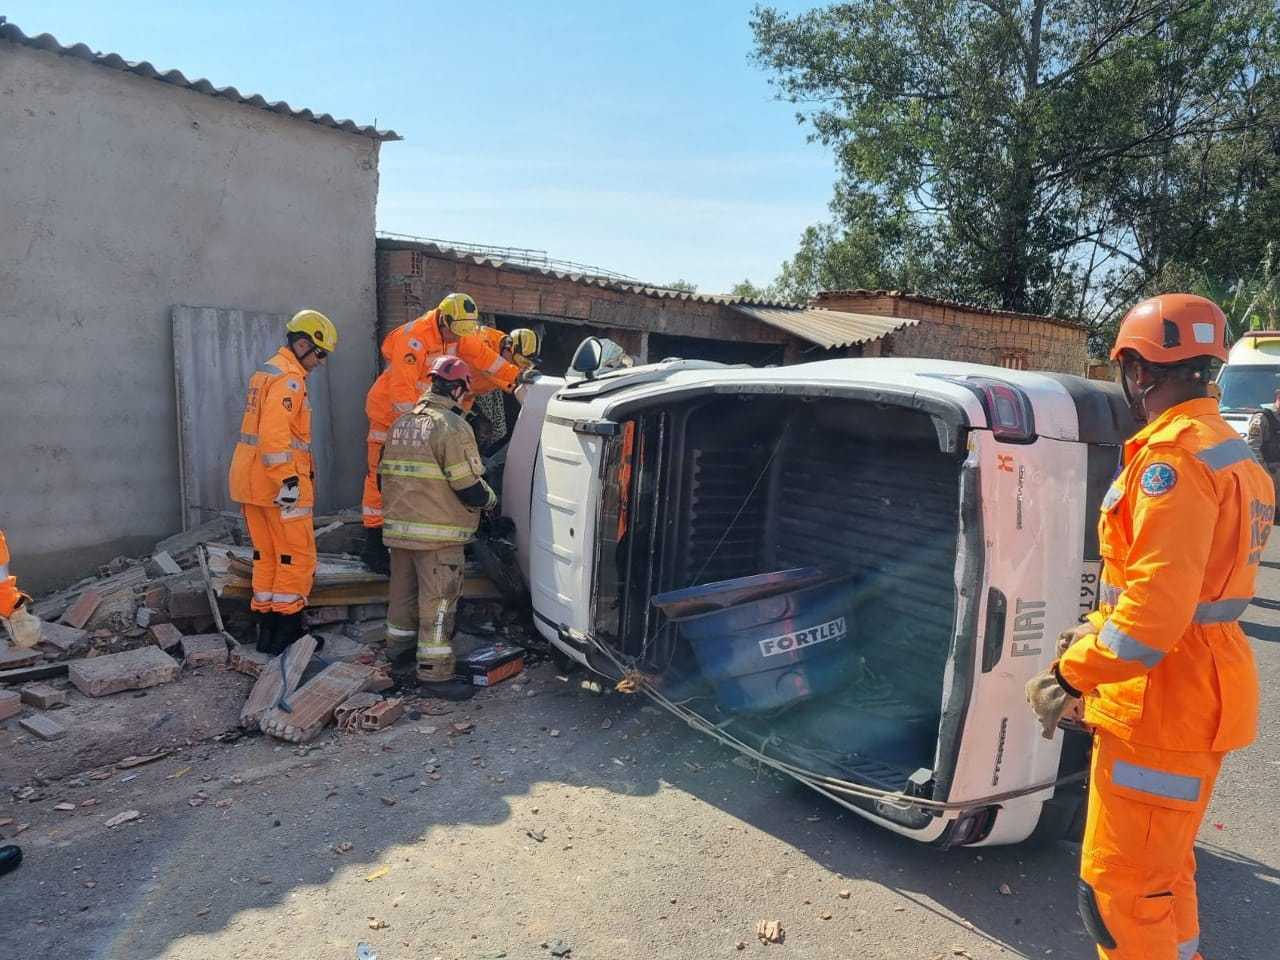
{"type": "Point", "coordinates": [1050, 700]}
{"type": "Point", "coordinates": [288, 493]}
{"type": "Point", "coordinates": [24, 627]}
{"type": "Point", "coordinates": [1067, 637]}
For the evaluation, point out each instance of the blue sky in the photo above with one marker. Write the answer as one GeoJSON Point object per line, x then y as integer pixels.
{"type": "Point", "coordinates": [635, 137]}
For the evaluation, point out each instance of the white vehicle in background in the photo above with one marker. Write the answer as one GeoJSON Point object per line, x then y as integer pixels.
{"type": "Point", "coordinates": [858, 565]}
{"type": "Point", "coordinates": [1250, 378]}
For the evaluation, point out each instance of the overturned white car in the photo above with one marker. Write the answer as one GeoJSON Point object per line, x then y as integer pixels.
{"type": "Point", "coordinates": [847, 569]}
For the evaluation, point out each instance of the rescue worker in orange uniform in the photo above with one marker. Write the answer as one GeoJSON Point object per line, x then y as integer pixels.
{"type": "Point", "coordinates": [1165, 672]}
{"type": "Point", "coordinates": [451, 329]}
{"type": "Point", "coordinates": [434, 492]}
{"type": "Point", "coordinates": [272, 478]}
{"type": "Point", "coordinates": [24, 629]}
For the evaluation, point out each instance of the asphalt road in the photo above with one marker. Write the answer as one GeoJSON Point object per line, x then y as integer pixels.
{"type": "Point", "coordinates": [653, 844]}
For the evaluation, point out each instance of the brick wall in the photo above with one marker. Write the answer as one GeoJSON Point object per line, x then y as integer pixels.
{"type": "Point", "coordinates": [954, 332]}
{"type": "Point", "coordinates": [412, 278]}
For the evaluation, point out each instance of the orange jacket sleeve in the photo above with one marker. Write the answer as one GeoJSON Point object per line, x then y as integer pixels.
{"type": "Point", "coordinates": [483, 359]}
{"type": "Point", "coordinates": [407, 373]}
{"type": "Point", "coordinates": [9, 592]}
{"type": "Point", "coordinates": [1163, 573]}
{"type": "Point", "coordinates": [275, 439]}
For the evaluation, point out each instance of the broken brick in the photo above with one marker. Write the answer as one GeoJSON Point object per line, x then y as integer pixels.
{"type": "Point", "coordinates": [382, 714]}
{"type": "Point", "coordinates": [247, 660]}
{"type": "Point", "coordinates": [204, 649]}
{"type": "Point", "coordinates": [188, 600]}
{"type": "Point", "coordinates": [115, 672]}
{"type": "Point", "coordinates": [42, 696]}
{"type": "Point", "coordinates": [314, 704]}
{"type": "Point", "coordinates": [165, 635]}
{"type": "Point", "coordinates": [348, 714]}
{"type": "Point", "coordinates": [12, 658]}
{"type": "Point", "coordinates": [275, 683]}
{"type": "Point", "coordinates": [10, 704]}
{"type": "Point", "coordinates": [67, 641]}
{"type": "Point", "coordinates": [43, 727]}
{"type": "Point", "coordinates": [78, 613]}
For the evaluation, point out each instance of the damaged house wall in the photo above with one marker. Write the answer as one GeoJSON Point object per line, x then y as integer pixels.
{"type": "Point", "coordinates": [123, 197]}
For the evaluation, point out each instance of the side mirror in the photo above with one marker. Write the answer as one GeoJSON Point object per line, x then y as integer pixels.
{"type": "Point", "coordinates": [588, 357]}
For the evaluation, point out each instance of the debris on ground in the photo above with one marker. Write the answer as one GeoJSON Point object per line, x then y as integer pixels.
{"type": "Point", "coordinates": [42, 696]}
{"type": "Point", "coordinates": [310, 709]}
{"type": "Point", "coordinates": [43, 727]}
{"type": "Point", "coordinates": [770, 931]}
{"type": "Point", "coordinates": [116, 672]}
{"type": "Point", "coordinates": [121, 818]}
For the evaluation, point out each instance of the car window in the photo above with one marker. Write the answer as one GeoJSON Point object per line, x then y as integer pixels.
{"type": "Point", "coordinates": [1249, 387]}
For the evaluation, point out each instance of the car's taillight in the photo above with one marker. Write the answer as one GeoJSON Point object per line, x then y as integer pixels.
{"type": "Point", "coordinates": [1008, 409]}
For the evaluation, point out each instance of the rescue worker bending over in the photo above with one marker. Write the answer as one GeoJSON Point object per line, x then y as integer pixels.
{"type": "Point", "coordinates": [272, 478]}
{"type": "Point", "coordinates": [24, 629]}
{"type": "Point", "coordinates": [1165, 671]}
{"type": "Point", "coordinates": [433, 494]}
{"type": "Point", "coordinates": [451, 329]}
{"type": "Point", "coordinates": [1264, 439]}
{"type": "Point", "coordinates": [519, 347]}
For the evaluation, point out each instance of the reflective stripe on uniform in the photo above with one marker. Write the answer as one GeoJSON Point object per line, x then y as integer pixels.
{"type": "Point", "coordinates": [262, 596]}
{"type": "Point", "coordinates": [293, 513]}
{"type": "Point", "coordinates": [1109, 593]}
{"type": "Point", "coordinates": [405, 530]}
{"type": "Point", "coordinates": [402, 407]}
{"type": "Point", "coordinates": [1174, 786]}
{"type": "Point", "coordinates": [495, 366]}
{"type": "Point", "coordinates": [1225, 454]}
{"type": "Point", "coordinates": [411, 468]}
{"type": "Point", "coordinates": [4, 571]}
{"type": "Point", "coordinates": [300, 445]}
{"type": "Point", "coordinates": [442, 611]}
{"type": "Point", "coordinates": [377, 436]}
{"type": "Point", "coordinates": [1113, 497]}
{"type": "Point", "coordinates": [435, 651]}
{"type": "Point", "coordinates": [394, 631]}
{"type": "Point", "coordinates": [371, 511]}
{"type": "Point", "coordinates": [456, 470]}
{"type": "Point", "coordinates": [1222, 611]}
{"type": "Point", "coordinates": [1187, 948]}
{"type": "Point", "coordinates": [1126, 647]}
{"type": "Point", "coordinates": [270, 368]}
{"type": "Point", "coordinates": [249, 439]}
{"type": "Point", "coordinates": [275, 459]}
{"type": "Point", "coordinates": [285, 597]}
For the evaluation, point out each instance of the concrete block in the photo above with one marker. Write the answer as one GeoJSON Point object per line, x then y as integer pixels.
{"type": "Point", "coordinates": [361, 612]}
{"type": "Point", "coordinates": [116, 672]}
{"type": "Point", "coordinates": [11, 658]}
{"type": "Point", "coordinates": [43, 727]}
{"type": "Point", "coordinates": [10, 704]}
{"type": "Point", "coordinates": [204, 649]}
{"type": "Point", "coordinates": [165, 563]}
{"type": "Point", "coordinates": [67, 641]}
{"type": "Point", "coordinates": [165, 635]}
{"type": "Point", "coordinates": [349, 713]}
{"type": "Point", "coordinates": [42, 696]}
{"type": "Point", "coordinates": [245, 659]}
{"type": "Point", "coordinates": [319, 616]}
{"type": "Point", "coordinates": [78, 613]}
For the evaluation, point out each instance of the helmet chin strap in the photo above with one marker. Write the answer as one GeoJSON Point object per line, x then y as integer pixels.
{"type": "Point", "coordinates": [1138, 403]}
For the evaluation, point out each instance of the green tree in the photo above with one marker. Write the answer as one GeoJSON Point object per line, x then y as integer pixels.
{"type": "Point", "coordinates": [1045, 155]}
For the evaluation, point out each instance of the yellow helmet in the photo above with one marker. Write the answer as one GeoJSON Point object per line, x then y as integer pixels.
{"type": "Point", "coordinates": [459, 311]}
{"type": "Point", "coordinates": [317, 327]}
{"type": "Point", "coordinates": [524, 346]}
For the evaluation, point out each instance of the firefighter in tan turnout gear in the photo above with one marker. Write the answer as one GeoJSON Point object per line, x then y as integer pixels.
{"type": "Point", "coordinates": [433, 492]}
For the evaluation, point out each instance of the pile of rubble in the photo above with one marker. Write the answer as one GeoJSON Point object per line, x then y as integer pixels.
{"type": "Point", "coordinates": [139, 622]}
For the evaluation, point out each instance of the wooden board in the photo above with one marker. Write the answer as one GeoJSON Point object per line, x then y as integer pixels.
{"type": "Point", "coordinates": [271, 684]}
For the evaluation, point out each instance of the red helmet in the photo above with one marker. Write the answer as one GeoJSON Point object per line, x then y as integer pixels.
{"type": "Point", "coordinates": [1172, 328]}
{"type": "Point", "coordinates": [451, 369]}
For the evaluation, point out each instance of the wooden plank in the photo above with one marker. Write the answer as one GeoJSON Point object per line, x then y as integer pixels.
{"type": "Point", "coordinates": [43, 671]}
{"type": "Point", "coordinates": [272, 683]}
{"type": "Point", "coordinates": [208, 588]}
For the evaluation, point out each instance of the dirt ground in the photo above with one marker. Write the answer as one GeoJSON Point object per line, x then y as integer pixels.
{"type": "Point", "coordinates": [560, 818]}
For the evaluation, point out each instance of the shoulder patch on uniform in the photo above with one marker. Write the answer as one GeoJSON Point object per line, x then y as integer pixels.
{"type": "Point", "coordinates": [1158, 479]}
{"type": "Point", "coordinates": [415, 343]}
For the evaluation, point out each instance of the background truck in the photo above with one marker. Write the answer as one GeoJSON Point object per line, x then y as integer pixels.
{"type": "Point", "coordinates": [1250, 377]}
{"type": "Point", "coordinates": [947, 511]}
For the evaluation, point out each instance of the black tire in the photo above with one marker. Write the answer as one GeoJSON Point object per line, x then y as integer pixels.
{"type": "Point", "coordinates": [564, 663]}
{"type": "Point", "coordinates": [1061, 819]}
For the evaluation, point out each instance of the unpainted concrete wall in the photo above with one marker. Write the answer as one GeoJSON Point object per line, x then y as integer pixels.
{"type": "Point", "coordinates": [120, 197]}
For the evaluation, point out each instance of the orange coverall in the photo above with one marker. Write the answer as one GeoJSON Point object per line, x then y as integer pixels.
{"type": "Point", "coordinates": [1168, 680]}
{"type": "Point", "coordinates": [10, 595]}
{"type": "Point", "coordinates": [275, 444]}
{"type": "Point", "coordinates": [408, 351]}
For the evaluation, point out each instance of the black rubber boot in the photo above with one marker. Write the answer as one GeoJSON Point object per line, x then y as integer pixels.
{"type": "Point", "coordinates": [288, 629]}
{"type": "Point", "coordinates": [447, 689]}
{"type": "Point", "coordinates": [264, 630]}
{"type": "Point", "coordinates": [375, 553]}
{"type": "Point", "coordinates": [10, 859]}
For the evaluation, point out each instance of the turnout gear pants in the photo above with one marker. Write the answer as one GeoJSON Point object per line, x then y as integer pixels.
{"type": "Point", "coordinates": [371, 499]}
{"type": "Point", "coordinates": [422, 604]}
{"type": "Point", "coordinates": [284, 557]}
{"type": "Point", "coordinates": [1137, 892]}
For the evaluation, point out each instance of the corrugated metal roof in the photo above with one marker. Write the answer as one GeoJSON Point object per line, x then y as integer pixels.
{"type": "Point", "coordinates": [49, 43]}
{"type": "Point", "coordinates": [587, 279]}
{"type": "Point", "coordinates": [924, 298]}
{"type": "Point", "coordinates": [826, 328]}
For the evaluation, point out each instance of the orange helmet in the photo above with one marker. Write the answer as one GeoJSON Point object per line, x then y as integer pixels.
{"type": "Point", "coordinates": [1172, 328]}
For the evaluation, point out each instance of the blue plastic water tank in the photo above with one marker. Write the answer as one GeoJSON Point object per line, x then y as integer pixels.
{"type": "Point", "coordinates": [772, 651]}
